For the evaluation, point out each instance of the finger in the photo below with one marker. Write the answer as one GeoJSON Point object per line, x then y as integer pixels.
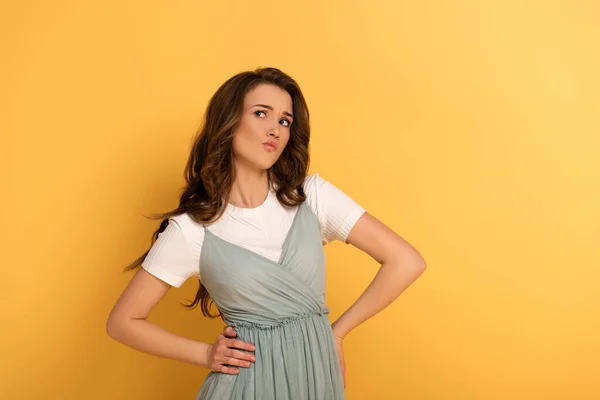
{"type": "Point", "coordinates": [240, 355]}
{"type": "Point", "coordinates": [239, 344]}
{"type": "Point", "coordinates": [236, 362]}
{"type": "Point", "coordinates": [229, 332]}
{"type": "Point", "coordinates": [228, 370]}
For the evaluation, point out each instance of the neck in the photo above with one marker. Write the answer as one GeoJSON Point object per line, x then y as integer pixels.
{"type": "Point", "coordinates": [250, 188]}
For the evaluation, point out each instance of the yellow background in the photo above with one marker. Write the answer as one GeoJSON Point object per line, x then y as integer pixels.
{"type": "Point", "coordinates": [469, 127]}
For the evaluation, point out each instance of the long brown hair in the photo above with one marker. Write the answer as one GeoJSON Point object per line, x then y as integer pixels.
{"type": "Point", "coordinates": [210, 173]}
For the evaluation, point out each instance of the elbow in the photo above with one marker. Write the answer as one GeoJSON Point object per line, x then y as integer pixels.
{"type": "Point", "coordinates": [114, 327]}
{"type": "Point", "coordinates": [422, 267]}
{"type": "Point", "coordinates": [407, 266]}
{"type": "Point", "coordinates": [415, 263]}
{"type": "Point", "coordinates": [419, 264]}
{"type": "Point", "coordinates": [111, 328]}
{"type": "Point", "coordinates": [415, 269]}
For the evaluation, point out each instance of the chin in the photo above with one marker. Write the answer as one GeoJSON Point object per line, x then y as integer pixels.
{"type": "Point", "coordinates": [264, 165]}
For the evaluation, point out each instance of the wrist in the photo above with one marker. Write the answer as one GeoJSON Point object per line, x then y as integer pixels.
{"type": "Point", "coordinates": [203, 353]}
{"type": "Point", "coordinates": [338, 333]}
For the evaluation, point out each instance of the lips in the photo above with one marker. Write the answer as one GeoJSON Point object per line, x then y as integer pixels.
{"type": "Point", "coordinates": [270, 145]}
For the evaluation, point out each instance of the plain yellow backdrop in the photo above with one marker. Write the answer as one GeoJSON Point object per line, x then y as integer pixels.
{"type": "Point", "coordinates": [470, 127]}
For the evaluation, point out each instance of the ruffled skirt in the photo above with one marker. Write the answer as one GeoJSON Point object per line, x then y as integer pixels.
{"type": "Point", "coordinates": [296, 359]}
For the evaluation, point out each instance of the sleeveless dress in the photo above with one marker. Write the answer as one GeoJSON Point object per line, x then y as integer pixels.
{"type": "Point", "coordinates": [280, 308]}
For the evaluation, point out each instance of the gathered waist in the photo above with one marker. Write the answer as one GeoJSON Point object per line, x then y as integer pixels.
{"type": "Point", "coordinates": [279, 322]}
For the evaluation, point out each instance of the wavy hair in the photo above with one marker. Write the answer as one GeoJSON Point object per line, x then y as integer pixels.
{"type": "Point", "coordinates": [210, 172]}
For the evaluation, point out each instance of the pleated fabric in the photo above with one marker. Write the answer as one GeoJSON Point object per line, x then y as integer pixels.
{"type": "Point", "coordinates": [280, 308]}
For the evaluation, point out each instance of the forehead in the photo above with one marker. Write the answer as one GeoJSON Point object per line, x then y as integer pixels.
{"type": "Point", "coordinates": [270, 95]}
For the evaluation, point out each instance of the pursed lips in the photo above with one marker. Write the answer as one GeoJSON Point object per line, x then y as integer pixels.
{"type": "Point", "coordinates": [270, 145]}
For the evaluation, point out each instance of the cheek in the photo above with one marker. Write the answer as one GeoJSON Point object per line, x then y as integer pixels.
{"type": "Point", "coordinates": [285, 139]}
{"type": "Point", "coordinates": [239, 143]}
{"type": "Point", "coordinates": [248, 131]}
{"type": "Point", "coordinates": [242, 135]}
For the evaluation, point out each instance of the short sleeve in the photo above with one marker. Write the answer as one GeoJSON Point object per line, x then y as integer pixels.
{"type": "Point", "coordinates": [337, 212]}
{"type": "Point", "coordinates": [170, 258]}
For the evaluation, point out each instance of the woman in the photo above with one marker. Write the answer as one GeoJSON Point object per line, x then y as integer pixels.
{"type": "Point", "coordinates": [251, 225]}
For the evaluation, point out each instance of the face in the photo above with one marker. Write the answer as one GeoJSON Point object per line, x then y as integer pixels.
{"type": "Point", "coordinates": [264, 127]}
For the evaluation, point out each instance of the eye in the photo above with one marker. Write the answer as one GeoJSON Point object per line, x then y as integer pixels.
{"type": "Point", "coordinates": [287, 121]}
{"type": "Point", "coordinates": [259, 111]}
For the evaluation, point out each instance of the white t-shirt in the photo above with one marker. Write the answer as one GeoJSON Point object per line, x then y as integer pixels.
{"type": "Point", "coordinates": [175, 255]}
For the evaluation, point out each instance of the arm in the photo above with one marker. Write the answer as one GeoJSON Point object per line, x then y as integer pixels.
{"type": "Point", "coordinates": [401, 265]}
{"type": "Point", "coordinates": [127, 323]}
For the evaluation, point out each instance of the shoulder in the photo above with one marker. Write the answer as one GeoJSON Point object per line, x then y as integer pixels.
{"type": "Point", "coordinates": [312, 182]}
{"type": "Point", "coordinates": [185, 222]}
{"type": "Point", "coordinates": [190, 230]}
{"type": "Point", "coordinates": [337, 211]}
{"type": "Point", "coordinates": [319, 189]}
{"type": "Point", "coordinates": [311, 186]}
{"type": "Point", "coordinates": [174, 255]}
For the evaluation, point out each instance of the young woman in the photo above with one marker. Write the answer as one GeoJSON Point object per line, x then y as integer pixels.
{"type": "Point", "coordinates": [251, 225]}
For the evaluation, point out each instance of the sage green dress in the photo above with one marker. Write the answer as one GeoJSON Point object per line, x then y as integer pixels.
{"type": "Point", "coordinates": [280, 308]}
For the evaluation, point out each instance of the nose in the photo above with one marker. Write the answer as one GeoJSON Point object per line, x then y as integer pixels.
{"type": "Point", "coordinates": [273, 132]}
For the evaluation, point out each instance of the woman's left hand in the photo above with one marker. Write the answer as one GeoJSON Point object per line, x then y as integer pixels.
{"type": "Point", "coordinates": [340, 352]}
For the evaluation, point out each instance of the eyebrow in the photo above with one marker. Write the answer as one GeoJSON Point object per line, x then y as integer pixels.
{"type": "Point", "coordinates": [271, 108]}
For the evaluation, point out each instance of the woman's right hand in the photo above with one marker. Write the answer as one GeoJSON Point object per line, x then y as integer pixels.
{"type": "Point", "coordinates": [224, 351]}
